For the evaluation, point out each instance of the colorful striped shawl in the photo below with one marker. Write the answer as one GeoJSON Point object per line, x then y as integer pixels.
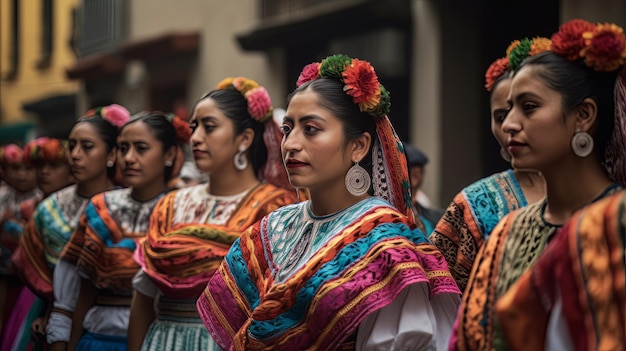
{"type": "Point", "coordinates": [471, 217]}
{"type": "Point", "coordinates": [584, 266]}
{"type": "Point", "coordinates": [357, 271]}
{"type": "Point", "coordinates": [180, 258]}
{"type": "Point", "coordinates": [43, 240]}
{"type": "Point", "coordinates": [101, 247]}
{"type": "Point", "coordinates": [513, 246]}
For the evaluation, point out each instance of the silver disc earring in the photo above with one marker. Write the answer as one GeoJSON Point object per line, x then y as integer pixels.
{"type": "Point", "coordinates": [240, 160]}
{"type": "Point", "coordinates": [505, 154]}
{"type": "Point", "coordinates": [357, 180]}
{"type": "Point", "coordinates": [582, 143]}
{"type": "Point", "coordinates": [110, 163]}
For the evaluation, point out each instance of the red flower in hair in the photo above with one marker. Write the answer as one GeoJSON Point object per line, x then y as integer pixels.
{"type": "Point", "coordinates": [183, 132]}
{"type": "Point", "coordinates": [495, 71]}
{"type": "Point", "coordinates": [569, 41]}
{"type": "Point", "coordinates": [362, 84]}
{"type": "Point", "coordinates": [605, 49]}
{"type": "Point", "coordinates": [309, 72]}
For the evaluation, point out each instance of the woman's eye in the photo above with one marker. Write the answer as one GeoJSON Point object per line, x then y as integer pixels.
{"type": "Point", "coordinates": [285, 129]}
{"type": "Point", "coordinates": [71, 145]}
{"type": "Point", "coordinates": [142, 149]}
{"type": "Point", "coordinates": [88, 146]}
{"type": "Point", "coordinates": [123, 149]}
{"type": "Point", "coordinates": [310, 130]}
{"type": "Point", "coordinates": [193, 125]}
{"type": "Point", "coordinates": [208, 127]}
{"type": "Point", "coordinates": [529, 106]}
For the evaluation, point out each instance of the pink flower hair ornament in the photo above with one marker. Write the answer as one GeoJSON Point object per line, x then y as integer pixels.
{"type": "Point", "coordinates": [11, 154]}
{"type": "Point", "coordinates": [359, 79]}
{"type": "Point", "coordinates": [115, 114]}
{"type": "Point", "coordinates": [258, 99]}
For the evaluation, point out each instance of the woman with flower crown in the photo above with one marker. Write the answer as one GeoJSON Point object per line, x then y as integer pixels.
{"type": "Point", "coordinates": [49, 158]}
{"type": "Point", "coordinates": [18, 198]}
{"type": "Point", "coordinates": [344, 270]}
{"type": "Point", "coordinates": [566, 119]}
{"type": "Point", "coordinates": [91, 151]}
{"type": "Point", "coordinates": [237, 143]}
{"type": "Point", "coordinates": [476, 210]}
{"type": "Point", "coordinates": [102, 246]}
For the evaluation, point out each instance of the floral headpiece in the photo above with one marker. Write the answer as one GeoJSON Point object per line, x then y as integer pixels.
{"type": "Point", "coordinates": [517, 52]}
{"type": "Point", "coordinates": [11, 154]}
{"type": "Point", "coordinates": [601, 46]}
{"type": "Point", "coordinates": [115, 114]}
{"type": "Point", "coordinates": [359, 79]}
{"type": "Point", "coordinates": [45, 149]}
{"type": "Point", "coordinates": [183, 131]}
{"type": "Point", "coordinates": [259, 102]}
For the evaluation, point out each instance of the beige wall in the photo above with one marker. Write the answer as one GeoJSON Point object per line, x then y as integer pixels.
{"type": "Point", "coordinates": [595, 10]}
{"type": "Point", "coordinates": [219, 56]}
{"type": "Point", "coordinates": [31, 83]}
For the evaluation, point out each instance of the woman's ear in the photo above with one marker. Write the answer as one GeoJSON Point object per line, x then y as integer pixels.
{"type": "Point", "coordinates": [112, 156]}
{"type": "Point", "coordinates": [361, 146]}
{"type": "Point", "coordinates": [170, 154]}
{"type": "Point", "coordinates": [586, 114]}
{"type": "Point", "coordinates": [246, 137]}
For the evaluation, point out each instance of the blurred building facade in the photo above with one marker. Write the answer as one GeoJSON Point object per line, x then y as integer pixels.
{"type": "Point", "coordinates": [430, 54]}
{"type": "Point", "coordinates": [35, 50]}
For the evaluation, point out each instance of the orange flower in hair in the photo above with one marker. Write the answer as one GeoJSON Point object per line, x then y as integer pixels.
{"type": "Point", "coordinates": [605, 47]}
{"type": "Point", "coordinates": [183, 131]}
{"type": "Point", "coordinates": [495, 71]}
{"type": "Point", "coordinates": [569, 41]}
{"type": "Point", "coordinates": [512, 47]}
{"type": "Point", "coordinates": [539, 44]}
{"type": "Point", "coordinates": [362, 84]}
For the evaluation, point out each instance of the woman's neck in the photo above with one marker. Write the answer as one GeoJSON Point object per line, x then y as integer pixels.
{"type": "Point", "coordinates": [148, 192]}
{"type": "Point", "coordinates": [533, 185]}
{"type": "Point", "coordinates": [231, 182]}
{"type": "Point", "coordinates": [571, 188]}
{"type": "Point", "coordinates": [326, 200]}
{"type": "Point", "coordinates": [92, 187]}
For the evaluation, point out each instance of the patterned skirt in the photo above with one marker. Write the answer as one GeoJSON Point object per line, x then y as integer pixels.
{"type": "Point", "coordinates": [178, 333]}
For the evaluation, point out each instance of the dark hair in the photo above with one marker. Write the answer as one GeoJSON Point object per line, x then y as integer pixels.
{"type": "Point", "coordinates": [107, 131]}
{"type": "Point", "coordinates": [235, 107]}
{"type": "Point", "coordinates": [576, 82]}
{"type": "Point", "coordinates": [162, 129]}
{"type": "Point", "coordinates": [505, 76]}
{"type": "Point", "coordinates": [333, 98]}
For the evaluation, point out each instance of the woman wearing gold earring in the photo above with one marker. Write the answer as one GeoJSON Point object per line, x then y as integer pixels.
{"type": "Point", "coordinates": [347, 269]}
{"type": "Point", "coordinates": [236, 142]}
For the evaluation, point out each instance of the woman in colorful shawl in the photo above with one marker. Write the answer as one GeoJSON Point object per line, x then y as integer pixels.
{"type": "Point", "coordinates": [92, 154]}
{"type": "Point", "coordinates": [49, 158]}
{"type": "Point", "coordinates": [346, 269]}
{"type": "Point", "coordinates": [476, 209]}
{"type": "Point", "coordinates": [18, 199]}
{"type": "Point", "coordinates": [564, 121]}
{"type": "Point", "coordinates": [574, 297]}
{"type": "Point", "coordinates": [237, 143]}
{"type": "Point", "coordinates": [102, 246]}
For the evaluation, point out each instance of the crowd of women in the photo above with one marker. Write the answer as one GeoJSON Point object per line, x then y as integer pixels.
{"type": "Point", "coordinates": [303, 235]}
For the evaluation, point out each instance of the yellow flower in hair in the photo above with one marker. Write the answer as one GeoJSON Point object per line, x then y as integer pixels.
{"type": "Point", "coordinates": [225, 83]}
{"type": "Point", "coordinates": [511, 47]}
{"type": "Point", "coordinates": [540, 44]}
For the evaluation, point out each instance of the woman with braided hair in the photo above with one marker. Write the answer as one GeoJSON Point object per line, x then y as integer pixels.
{"type": "Point", "coordinates": [237, 143]}
{"type": "Point", "coordinates": [348, 268]}
{"type": "Point", "coordinates": [566, 119]}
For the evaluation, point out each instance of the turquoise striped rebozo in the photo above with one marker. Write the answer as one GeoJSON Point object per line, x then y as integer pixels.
{"type": "Point", "coordinates": [358, 264]}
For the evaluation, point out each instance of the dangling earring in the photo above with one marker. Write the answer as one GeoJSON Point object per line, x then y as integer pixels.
{"type": "Point", "coordinates": [168, 163]}
{"type": "Point", "coordinates": [241, 162]}
{"type": "Point", "coordinates": [582, 143]}
{"type": "Point", "coordinates": [357, 180]}
{"type": "Point", "coordinates": [110, 163]}
{"type": "Point", "coordinates": [505, 155]}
